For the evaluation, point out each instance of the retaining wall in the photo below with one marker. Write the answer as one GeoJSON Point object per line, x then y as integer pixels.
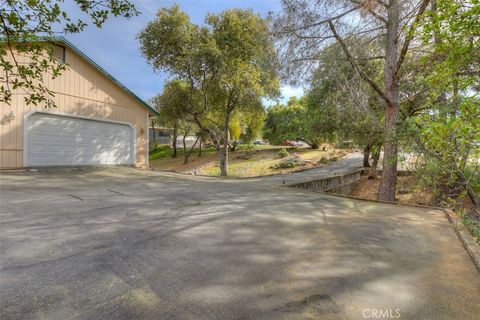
{"type": "Point", "coordinates": [341, 184]}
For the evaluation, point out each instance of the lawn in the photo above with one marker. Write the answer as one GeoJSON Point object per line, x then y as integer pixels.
{"type": "Point", "coordinates": [246, 161]}
{"type": "Point", "coordinates": [163, 152]}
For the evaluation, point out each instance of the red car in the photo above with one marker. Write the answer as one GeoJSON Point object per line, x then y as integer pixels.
{"type": "Point", "coordinates": [288, 143]}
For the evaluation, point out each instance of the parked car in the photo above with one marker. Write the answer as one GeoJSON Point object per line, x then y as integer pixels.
{"type": "Point", "coordinates": [257, 142]}
{"type": "Point", "coordinates": [288, 143]}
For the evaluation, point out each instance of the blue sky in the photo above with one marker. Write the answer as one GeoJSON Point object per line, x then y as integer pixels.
{"type": "Point", "coordinates": [116, 49]}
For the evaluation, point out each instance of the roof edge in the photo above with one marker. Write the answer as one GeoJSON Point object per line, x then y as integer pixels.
{"type": "Point", "coordinates": [60, 39]}
{"type": "Point", "coordinates": [106, 73]}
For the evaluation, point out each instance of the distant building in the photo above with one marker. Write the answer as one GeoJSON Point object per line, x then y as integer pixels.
{"type": "Point", "coordinates": [160, 136]}
{"type": "Point", "coordinates": [164, 136]}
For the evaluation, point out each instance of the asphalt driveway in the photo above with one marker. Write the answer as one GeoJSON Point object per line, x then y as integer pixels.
{"type": "Point", "coordinates": [128, 244]}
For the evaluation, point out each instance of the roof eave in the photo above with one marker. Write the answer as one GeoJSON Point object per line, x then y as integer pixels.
{"type": "Point", "coordinates": [151, 111]}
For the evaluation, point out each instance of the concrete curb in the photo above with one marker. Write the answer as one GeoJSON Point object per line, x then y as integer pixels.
{"type": "Point", "coordinates": [465, 237]}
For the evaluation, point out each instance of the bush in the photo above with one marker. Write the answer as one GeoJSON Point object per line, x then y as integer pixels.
{"type": "Point", "coordinates": [290, 162]}
{"type": "Point", "coordinates": [283, 153]}
{"type": "Point", "coordinates": [323, 160]}
{"type": "Point", "coordinates": [286, 164]}
{"type": "Point", "coordinates": [327, 160]}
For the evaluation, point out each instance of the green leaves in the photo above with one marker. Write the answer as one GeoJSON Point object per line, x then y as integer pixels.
{"type": "Point", "coordinates": [168, 41]}
{"type": "Point", "coordinates": [292, 121]}
{"type": "Point", "coordinates": [447, 141]}
{"type": "Point", "coordinates": [173, 104]}
{"type": "Point", "coordinates": [226, 63]}
{"type": "Point", "coordinates": [455, 28]}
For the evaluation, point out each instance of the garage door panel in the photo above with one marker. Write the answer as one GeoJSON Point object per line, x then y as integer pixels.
{"type": "Point", "coordinates": [63, 140]}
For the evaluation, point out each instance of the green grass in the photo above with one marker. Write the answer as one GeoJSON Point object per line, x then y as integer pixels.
{"type": "Point", "coordinates": [166, 152]}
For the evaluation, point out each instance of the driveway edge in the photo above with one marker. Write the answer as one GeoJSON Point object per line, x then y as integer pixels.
{"type": "Point", "coordinates": [363, 199]}
{"type": "Point", "coordinates": [467, 240]}
{"type": "Point", "coordinates": [465, 237]}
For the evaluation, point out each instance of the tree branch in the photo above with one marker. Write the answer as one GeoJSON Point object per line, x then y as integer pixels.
{"type": "Point", "coordinates": [356, 66]}
{"type": "Point", "coordinates": [383, 3]}
{"type": "Point", "coordinates": [373, 13]}
{"type": "Point", "coordinates": [327, 20]}
{"type": "Point", "coordinates": [410, 35]}
{"type": "Point", "coordinates": [415, 95]}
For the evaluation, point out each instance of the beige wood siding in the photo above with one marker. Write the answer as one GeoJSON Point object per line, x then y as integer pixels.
{"type": "Point", "coordinates": [81, 90]}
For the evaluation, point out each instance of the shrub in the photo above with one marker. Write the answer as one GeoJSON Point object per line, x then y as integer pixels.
{"type": "Point", "coordinates": [327, 160]}
{"type": "Point", "coordinates": [290, 162]}
{"type": "Point", "coordinates": [286, 164]}
{"type": "Point", "coordinates": [249, 151]}
{"type": "Point", "coordinates": [323, 160]}
{"type": "Point", "coordinates": [283, 153]}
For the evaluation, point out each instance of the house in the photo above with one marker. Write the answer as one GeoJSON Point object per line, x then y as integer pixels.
{"type": "Point", "coordinates": [164, 136]}
{"type": "Point", "coordinates": [160, 136]}
{"type": "Point", "coordinates": [96, 121]}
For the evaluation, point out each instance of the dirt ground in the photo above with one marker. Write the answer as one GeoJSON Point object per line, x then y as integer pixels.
{"type": "Point", "coordinates": [176, 164]}
{"type": "Point", "coordinates": [407, 191]}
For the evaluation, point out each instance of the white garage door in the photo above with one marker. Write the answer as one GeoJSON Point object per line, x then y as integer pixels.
{"type": "Point", "coordinates": [57, 140]}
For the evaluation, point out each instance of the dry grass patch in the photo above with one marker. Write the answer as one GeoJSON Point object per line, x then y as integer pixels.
{"type": "Point", "coordinates": [251, 163]}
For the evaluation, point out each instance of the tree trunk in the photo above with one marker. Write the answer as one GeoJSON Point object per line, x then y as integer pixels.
{"type": "Point", "coordinates": [185, 157]}
{"type": "Point", "coordinates": [366, 156]}
{"type": "Point", "coordinates": [233, 146]}
{"type": "Point", "coordinates": [223, 163]}
{"type": "Point", "coordinates": [186, 154]}
{"type": "Point", "coordinates": [311, 144]}
{"type": "Point", "coordinates": [215, 142]}
{"type": "Point", "coordinates": [388, 182]}
{"type": "Point", "coordinates": [386, 191]}
{"type": "Point", "coordinates": [200, 148]}
{"type": "Point", "coordinates": [213, 137]}
{"type": "Point", "coordinates": [184, 142]}
{"type": "Point", "coordinates": [224, 151]}
{"type": "Point", "coordinates": [174, 142]}
{"type": "Point", "coordinates": [372, 174]}
{"type": "Point", "coordinates": [470, 192]}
